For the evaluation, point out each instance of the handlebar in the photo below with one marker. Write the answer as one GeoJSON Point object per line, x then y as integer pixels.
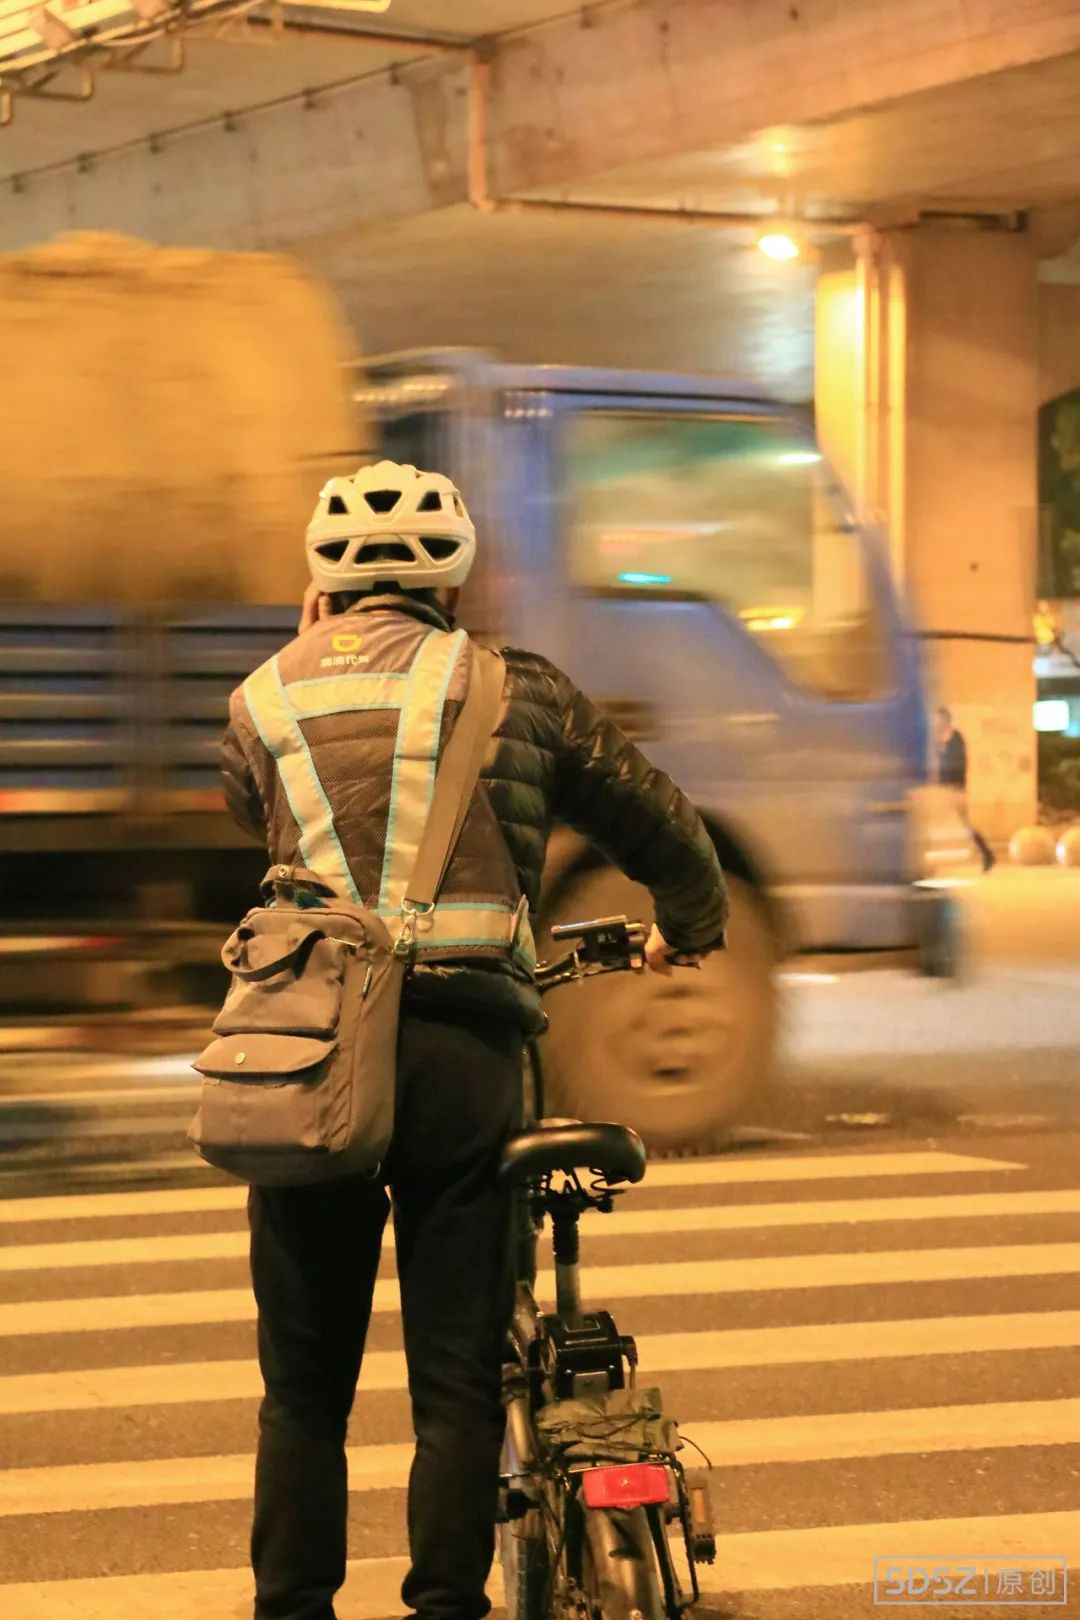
{"type": "Point", "coordinates": [606, 945]}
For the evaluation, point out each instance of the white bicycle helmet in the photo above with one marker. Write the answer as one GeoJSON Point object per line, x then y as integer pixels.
{"type": "Point", "coordinates": [390, 523]}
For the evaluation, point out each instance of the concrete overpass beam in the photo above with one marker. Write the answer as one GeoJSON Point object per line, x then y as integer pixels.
{"type": "Point", "coordinates": [619, 85]}
{"type": "Point", "coordinates": [928, 391]}
{"type": "Point", "coordinates": [377, 148]}
{"type": "Point", "coordinates": [611, 87]}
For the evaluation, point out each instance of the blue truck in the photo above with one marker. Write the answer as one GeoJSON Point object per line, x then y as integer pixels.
{"type": "Point", "coordinates": [680, 547]}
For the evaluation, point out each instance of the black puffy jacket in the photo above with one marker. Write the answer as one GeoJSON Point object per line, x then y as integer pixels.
{"type": "Point", "coordinates": [555, 757]}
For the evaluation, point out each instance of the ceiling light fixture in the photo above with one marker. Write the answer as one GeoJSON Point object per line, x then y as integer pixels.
{"type": "Point", "coordinates": [780, 245]}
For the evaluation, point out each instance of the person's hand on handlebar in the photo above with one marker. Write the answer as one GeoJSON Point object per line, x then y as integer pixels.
{"type": "Point", "coordinates": [662, 958]}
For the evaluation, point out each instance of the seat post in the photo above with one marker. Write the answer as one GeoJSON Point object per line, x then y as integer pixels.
{"type": "Point", "coordinates": [567, 1265]}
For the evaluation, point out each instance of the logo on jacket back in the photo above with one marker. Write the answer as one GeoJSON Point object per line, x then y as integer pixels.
{"type": "Point", "coordinates": [346, 645]}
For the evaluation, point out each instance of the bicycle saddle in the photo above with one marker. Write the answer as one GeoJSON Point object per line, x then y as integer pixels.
{"type": "Point", "coordinates": [616, 1152]}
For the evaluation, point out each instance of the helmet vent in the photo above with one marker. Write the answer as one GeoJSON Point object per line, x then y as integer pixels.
{"type": "Point", "coordinates": [382, 500]}
{"type": "Point", "coordinates": [337, 507]}
{"type": "Point", "coordinates": [432, 502]}
{"type": "Point", "coordinates": [458, 505]}
{"type": "Point", "coordinates": [384, 551]}
{"type": "Point", "coordinates": [333, 550]}
{"type": "Point", "coordinates": [440, 550]}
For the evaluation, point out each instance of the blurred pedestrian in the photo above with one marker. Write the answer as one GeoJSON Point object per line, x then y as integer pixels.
{"type": "Point", "coordinates": [952, 767]}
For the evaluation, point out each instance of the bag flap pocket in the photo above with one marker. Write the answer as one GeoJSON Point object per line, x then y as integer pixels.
{"type": "Point", "coordinates": [266, 944]}
{"type": "Point", "coordinates": [257, 1056]}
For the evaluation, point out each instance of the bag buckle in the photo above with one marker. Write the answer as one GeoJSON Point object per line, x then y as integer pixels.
{"type": "Point", "coordinates": [412, 916]}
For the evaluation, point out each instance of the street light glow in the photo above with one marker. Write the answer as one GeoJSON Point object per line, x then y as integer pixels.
{"type": "Point", "coordinates": [778, 245]}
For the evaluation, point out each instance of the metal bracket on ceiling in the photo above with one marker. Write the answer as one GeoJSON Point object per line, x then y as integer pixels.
{"type": "Point", "coordinates": [130, 58]}
{"type": "Point", "coordinates": [40, 88]}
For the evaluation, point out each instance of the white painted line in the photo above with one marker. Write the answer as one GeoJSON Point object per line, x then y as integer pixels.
{"type": "Point", "coordinates": [774, 1273]}
{"type": "Point", "coordinates": [825, 1342]}
{"type": "Point", "coordinates": [163, 1248]}
{"type": "Point", "coordinates": [662, 1280]}
{"type": "Point", "coordinates": [677, 1173]}
{"type": "Point", "coordinates": [843, 1555]}
{"type": "Point", "coordinates": [826, 1167]}
{"type": "Point", "coordinates": [12, 1101]}
{"type": "Point", "coordinates": [835, 1212]}
{"type": "Point", "coordinates": [181, 1383]}
{"type": "Point", "coordinates": [68, 1130]}
{"type": "Point", "coordinates": [90, 1487]}
{"type": "Point", "coordinates": [148, 1201]}
{"type": "Point", "coordinates": [182, 1160]}
{"type": "Point", "coordinates": [756, 1561]}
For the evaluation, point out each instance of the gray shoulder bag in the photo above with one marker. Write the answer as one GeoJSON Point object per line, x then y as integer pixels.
{"type": "Point", "coordinates": [299, 1085]}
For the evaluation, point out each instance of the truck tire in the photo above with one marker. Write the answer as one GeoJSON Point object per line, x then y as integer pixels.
{"type": "Point", "coordinates": [679, 1059]}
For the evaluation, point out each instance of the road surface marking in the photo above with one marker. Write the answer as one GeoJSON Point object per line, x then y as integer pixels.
{"type": "Point", "coordinates": [754, 1561]}
{"type": "Point", "coordinates": [180, 1383]}
{"type": "Point", "coordinates": [661, 1280]}
{"type": "Point", "coordinates": [827, 1167]}
{"type": "Point", "coordinates": [836, 1211]}
{"type": "Point", "coordinates": [147, 1201]}
{"type": "Point", "coordinates": [233, 1244]}
{"type": "Point", "coordinates": [163, 1249]}
{"type": "Point", "coordinates": [70, 1129]}
{"type": "Point", "coordinates": [677, 1173]}
{"type": "Point", "coordinates": [14, 1100]}
{"type": "Point", "coordinates": [90, 1487]}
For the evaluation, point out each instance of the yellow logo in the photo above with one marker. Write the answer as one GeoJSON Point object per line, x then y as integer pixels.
{"type": "Point", "coordinates": [345, 641]}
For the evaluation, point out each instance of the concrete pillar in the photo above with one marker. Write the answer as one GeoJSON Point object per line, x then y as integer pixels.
{"type": "Point", "coordinates": [927, 391]}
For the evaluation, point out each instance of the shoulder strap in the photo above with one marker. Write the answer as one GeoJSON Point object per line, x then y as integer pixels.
{"type": "Point", "coordinates": [457, 776]}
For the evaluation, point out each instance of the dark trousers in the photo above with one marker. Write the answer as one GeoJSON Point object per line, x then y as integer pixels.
{"type": "Point", "coordinates": [314, 1257]}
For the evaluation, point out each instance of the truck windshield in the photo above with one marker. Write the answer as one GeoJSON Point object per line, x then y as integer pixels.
{"type": "Point", "coordinates": [740, 511]}
{"type": "Point", "coordinates": [412, 437]}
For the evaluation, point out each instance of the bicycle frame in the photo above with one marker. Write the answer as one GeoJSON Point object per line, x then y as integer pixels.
{"type": "Point", "coordinates": [564, 1547]}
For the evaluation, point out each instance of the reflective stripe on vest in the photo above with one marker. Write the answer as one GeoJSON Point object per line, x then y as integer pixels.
{"type": "Point", "coordinates": [468, 923]}
{"type": "Point", "coordinates": [420, 696]}
{"type": "Point", "coordinates": [276, 723]}
{"type": "Point", "coordinates": [341, 694]}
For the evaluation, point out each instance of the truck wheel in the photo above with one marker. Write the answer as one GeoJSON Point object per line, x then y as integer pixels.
{"type": "Point", "coordinates": [679, 1058]}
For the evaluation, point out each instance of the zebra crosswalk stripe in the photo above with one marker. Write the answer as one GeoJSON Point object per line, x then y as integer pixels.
{"type": "Point", "coordinates": [735, 1443]}
{"type": "Point", "coordinates": [753, 1561]}
{"type": "Point", "coordinates": [193, 1382]}
{"type": "Point", "coordinates": [659, 1280]}
{"type": "Point", "coordinates": [232, 1244]}
{"type": "Point", "coordinates": [681, 1173]}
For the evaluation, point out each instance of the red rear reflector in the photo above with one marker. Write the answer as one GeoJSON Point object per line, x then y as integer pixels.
{"type": "Point", "coordinates": [628, 1486]}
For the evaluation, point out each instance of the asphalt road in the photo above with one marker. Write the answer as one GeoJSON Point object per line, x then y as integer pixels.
{"type": "Point", "coordinates": [889, 1051]}
{"type": "Point", "coordinates": [876, 1346]}
{"type": "Point", "coordinates": [868, 1315]}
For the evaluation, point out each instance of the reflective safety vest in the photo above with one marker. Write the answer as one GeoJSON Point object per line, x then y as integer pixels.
{"type": "Point", "coordinates": [281, 710]}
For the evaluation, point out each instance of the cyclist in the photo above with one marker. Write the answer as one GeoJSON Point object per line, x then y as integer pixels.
{"type": "Point", "coordinates": [342, 786]}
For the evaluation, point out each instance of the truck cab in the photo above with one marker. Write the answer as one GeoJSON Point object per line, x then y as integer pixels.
{"type": "Point", "coordinates": [681, 548]}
